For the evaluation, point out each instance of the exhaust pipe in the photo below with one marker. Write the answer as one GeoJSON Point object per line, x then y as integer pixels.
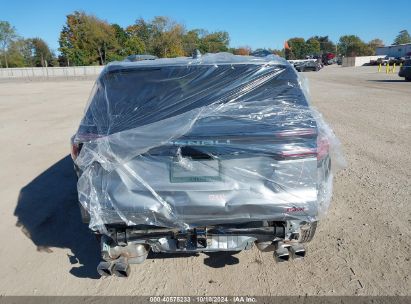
{"type": "Point", "coordinates": [105, 269]}
{"type": "Point", "coordinates": [281, 253]}
{"type": "Point", "coordinates": [297, 251]}
{"type": "Point", "coordinates": [139, 254]}
{"type": "Point", "coordinates": [121, 268]}
{"type": "Point", "coordinates": [265, 246]}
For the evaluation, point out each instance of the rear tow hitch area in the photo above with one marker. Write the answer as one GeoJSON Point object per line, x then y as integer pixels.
{"type": "Point", "coordinates": [122, 247]}
{"type": "Point", "coordinates": [117, 259]}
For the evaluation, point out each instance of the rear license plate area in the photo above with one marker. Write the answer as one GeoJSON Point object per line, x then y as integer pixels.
{"type": "Point", "coordinates": [187, 170]}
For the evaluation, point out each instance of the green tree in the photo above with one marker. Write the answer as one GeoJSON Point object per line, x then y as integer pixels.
{"type": "Point", "coordinates": [166, 37]}
{"type": "Point", "coordinates": [161, 36]}
{"type": "Point", "coordinates": [134, 45]}
{"type": "Point", "coordinates": [313, 46]}
{"type": "Point", "coordinates": [374, 44]}
{"type": "Point", "coordinates": [119, 33]}
{"type": "Point", "coordinates": [297, 50]}
{"type": "Point", "coordinates": [100, 40]}
{"type": "Point", "coordinates": [326, 45]}
{"type": "Point", "coordinates": [351, 45]}
{"type": "Point", "coordinates": [71, 49]}
{"type": "Point", "coordinates": [300, 48]}
{"type": "Point", "coordinates": [191, 41]}
{"type": "Point", "coordinates": [30, 52]}
{"type": "Point", "coordinates": [214, 42]}
{"type": "Point", "coordinates": [7, 36]}
{"type": "Point", "coordinates": [243, 50]}
{"type": "Point", "coordinates": [121, 38]}
{"type": "Point", "coordinates": [85, 39]}
{"type": "Point", "coordinates": [206, 42]}
{"type": "Point", "coordinates": [128, 43]}
{"type": "Point", "coordinates": [16, 54]}
{"type": "Point", "coordinates": [24, 47]}
{"type": "Point", "coordinates": [140, 31]}
{"type": "Point", "coordinates": [289, 55]}
{"type": "Point", "coordinates": [402, 38]}
{"type": "Point", "coordinates": [41, 53]}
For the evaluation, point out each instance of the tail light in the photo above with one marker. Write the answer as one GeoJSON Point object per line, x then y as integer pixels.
{"type": "Point", "coordinates": [296, 133]}
{"type": "Point", "coordinates": [80, 139]}
{"type": "Point", "coordinates": [75, 150]}
{"type": "Point", "coordinates": [298, 153]}
{"type": "Point", "coordinates": [321, 151]}
{"type": "Point", "coordinates": [323, 147]}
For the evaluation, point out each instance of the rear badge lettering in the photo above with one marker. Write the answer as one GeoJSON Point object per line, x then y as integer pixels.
{"type": "Point", "coordinates": [294, 209]}
{"type": "Point", "coordinates": [200, 142]}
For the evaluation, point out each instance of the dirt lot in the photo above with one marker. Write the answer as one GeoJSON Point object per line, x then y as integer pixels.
{"type": "Point", "coordinates": [363, 247]}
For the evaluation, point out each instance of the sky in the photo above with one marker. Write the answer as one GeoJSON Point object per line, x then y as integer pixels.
{"type": "Point", "coordinates": [254, 23]}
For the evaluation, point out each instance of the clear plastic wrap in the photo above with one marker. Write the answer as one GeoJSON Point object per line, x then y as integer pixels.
{"type": "Point", "coordinates": [219, 139]}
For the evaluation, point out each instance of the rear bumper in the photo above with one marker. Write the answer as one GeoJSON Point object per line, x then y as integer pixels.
{"type": "Point", "coordinates": [209, 239]}
{"type": "Point", "coordinates": [286, 191]}
{"type": "Point", "coordinates": [122, 247]}
{"type": "Point", "coordinates": [205, 239]}
{"type": "Point", "coordinates": [197, 217]}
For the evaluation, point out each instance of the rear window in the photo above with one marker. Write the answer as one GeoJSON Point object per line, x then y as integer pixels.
{"type": "Point", "coordinates": [132, 97]}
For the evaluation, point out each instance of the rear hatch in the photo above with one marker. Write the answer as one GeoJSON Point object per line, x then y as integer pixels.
{"type": "Point", "coordinates": [252, 156]}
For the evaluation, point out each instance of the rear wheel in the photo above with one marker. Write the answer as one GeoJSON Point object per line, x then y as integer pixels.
{"type": "Point", "coordinates": [307, 232]}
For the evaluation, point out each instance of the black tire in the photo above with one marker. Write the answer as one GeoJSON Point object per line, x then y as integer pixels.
{"type": "Point", "coordinates": [307, 232]}
{"type": "Point", "coordinates": [85, 216]}
{"type": "Point", "coordinates": [407, 78]}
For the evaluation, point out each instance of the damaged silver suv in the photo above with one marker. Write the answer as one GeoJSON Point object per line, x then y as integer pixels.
{"type": "Point", "coordinates": [214, 153]}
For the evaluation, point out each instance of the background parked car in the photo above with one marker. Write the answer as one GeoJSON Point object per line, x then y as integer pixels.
{"type": "Point", "coordinates": [399, 60]}
{"type": "Point", "coordinates": [329, 58]}
{"type": "Point", "coordinates": [309, 65]}
{"type": "Point", "coordinates": [405, 70]}
{"type": "Point", "coordinates": [386, 60]}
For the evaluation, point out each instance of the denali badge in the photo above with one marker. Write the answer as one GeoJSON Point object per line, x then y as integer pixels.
{"type": "Point", "coordinates": [200, 142]}
{"type": "Point", "coordinates": [294, 209]}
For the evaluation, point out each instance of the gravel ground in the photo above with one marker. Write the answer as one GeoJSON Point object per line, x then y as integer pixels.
{"type": "Point", "coordinates": [361, 248]}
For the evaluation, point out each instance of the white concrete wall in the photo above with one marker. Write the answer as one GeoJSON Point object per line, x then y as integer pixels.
{"type": "Point", "coordinates": [359, 61]}
{"type": "Point", "coordinates": [50, 72]}
{"type": "Point", "coordinates": [363, 60]}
